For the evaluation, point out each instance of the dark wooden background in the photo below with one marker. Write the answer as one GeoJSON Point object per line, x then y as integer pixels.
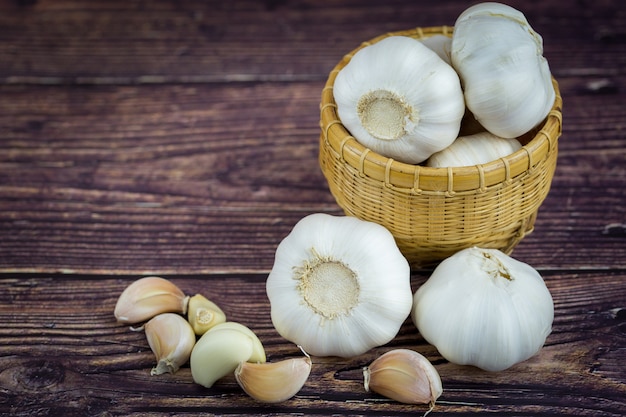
{"type": "Point", "coordinates": [181, 138]}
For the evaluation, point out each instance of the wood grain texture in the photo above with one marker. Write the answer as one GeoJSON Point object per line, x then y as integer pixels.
{"type": "Point", "coordinates": [180, 139]}
{"type": "Point", "coordinates": [199, 178]}
{"type": "Point", "coordinates": [160, 41]}
{"type": "Point", "coordinates": [61, 350]}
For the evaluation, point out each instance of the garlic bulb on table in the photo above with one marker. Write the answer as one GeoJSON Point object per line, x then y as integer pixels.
{"type": "Point", "coordinates": [499, 57]}
{"type": "Point", "coordinates": [400, 99]}
{"type": "Point", "coordinates": [479, 148]}
{"type": "Point", "coordinates": [481, 307]}
{"type": "Point", "coordinates": [339, 286]}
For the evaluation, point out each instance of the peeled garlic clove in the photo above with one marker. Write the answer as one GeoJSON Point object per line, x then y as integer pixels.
{"type": "Point", "coordinates": [405, 376]}
{"type": "Point", "coordinates": [203, 314]}
{"type": "Point", "coordinates": [147, 297]}
{"type": "Point", "coordinates": [479, 148]}
{"type": "Point", "coordinates": [220, 350]}
{"type": "Point", "coordinates": [273, 382]}
{"type": "Point", "coordinates": [258, 351]}
{"type": "Point", "coordinates": [171, 339]}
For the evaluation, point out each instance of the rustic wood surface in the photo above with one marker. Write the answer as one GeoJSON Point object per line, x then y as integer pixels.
{"type": "Point", "coordinates": [180, 139]}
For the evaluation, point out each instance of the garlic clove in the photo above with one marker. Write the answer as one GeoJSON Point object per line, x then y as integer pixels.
{"type": "Point", "coordinates": [203, 314]}
{"type": "Point", "coordinates": [405, 376]}
{"type": "Point", "coordinates": [171, 339]}
{"type": "Point", "coordinates": [221, 349]}
{"type": "Point", "coordinates": [273, 382]}
{"type": "Point", "coordinates": [440, 44]}
{"type": "Point", "coordinates": [147, 297]}
{"type": "Point", "coordinates": [258, 351]}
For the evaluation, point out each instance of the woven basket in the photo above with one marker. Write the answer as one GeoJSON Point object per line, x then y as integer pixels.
{"type": "Point", "coordinates": [435, 212]}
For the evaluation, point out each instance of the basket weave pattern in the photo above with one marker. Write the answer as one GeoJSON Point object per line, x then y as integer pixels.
{"type": "Point", "coordinates": [435, 212]}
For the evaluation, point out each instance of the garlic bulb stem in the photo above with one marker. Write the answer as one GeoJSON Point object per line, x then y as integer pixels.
{"type": "Point", "coordinates": [386, 115]}
{"type": "Point", "coordinates": [328, 287]}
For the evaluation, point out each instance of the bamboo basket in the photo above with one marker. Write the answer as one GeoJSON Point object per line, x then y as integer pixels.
{"type": "Point", "coordinates": [435, 212]}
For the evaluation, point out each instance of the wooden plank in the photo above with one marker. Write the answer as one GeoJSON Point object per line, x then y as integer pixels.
{"type": "Point", "coordinates": [207, 178]}
{"type": "Point", "coordinates": [114, 178]}
{"type": "Point", "coordinates": [135, 42]}
{"type": "Point", "coordinates": [61, 350]}
{"type": "Point", "coordinates": [181, 139]}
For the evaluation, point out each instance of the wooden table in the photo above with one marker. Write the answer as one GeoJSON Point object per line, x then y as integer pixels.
{"type": "Point", "coordinates": [180, 139]}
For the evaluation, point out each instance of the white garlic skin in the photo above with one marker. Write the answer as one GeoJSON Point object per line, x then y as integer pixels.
{"type": "Point", "coordinates": [506, 80]}
{"type": "Point", "coordinates": [417, 79]}
{"type": "Point", "coordinates": [479, 148]}
{"type": "Point", "coordinates": [384, 296]}
{"type": "Point", "coordinates": [441, 45]}
{"type": "Point", "coordinates": [475, 316]}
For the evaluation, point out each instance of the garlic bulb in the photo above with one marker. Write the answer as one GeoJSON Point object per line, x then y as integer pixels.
{"type": "Point", "coordinates": [398, 98]}
{"type": "Point", "coordinates": [499, 57]}
{"type": "Point", "coordinates": [441, 45]}
{"type": "Point", "coordinates": [481, 307]}
{"type": "Point", "coordinates": [339, 286]}
{"type": "Point", "coordinates": [479, 148]}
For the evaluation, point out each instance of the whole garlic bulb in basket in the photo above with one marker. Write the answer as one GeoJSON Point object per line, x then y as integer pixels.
{"type": "Point", "coordinates": [400, 99]}
{"type": "Point", "coordinates": [506, 80]}
{"type": "Point", "coordinates": [479, 148]}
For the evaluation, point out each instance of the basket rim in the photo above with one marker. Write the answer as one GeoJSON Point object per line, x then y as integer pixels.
{"type": "Point", "coordinates": [419, 178]}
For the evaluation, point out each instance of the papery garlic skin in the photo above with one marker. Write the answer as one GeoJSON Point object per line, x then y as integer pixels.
{"type": "Point", "coordinates": [171, 339]}
{"type": "Point", "coordinates": [506, 80]}
{"type": "Point", "coordinates": [481, 307]}
{"type": "Point", "coordinates": [441, 45]}
{"type": "Point", "coordinates": [273, 382]}
{"type": "Point", "coordinates": [398, 98]}
{"type": "Point", "coordinates": [404, 375]}
{"type": "Point", "coordinates": [339, 286]}
{"type": "Point", "coordinates": [479, 148]}
{"type": "Point", "coordinates": [148, 297]}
